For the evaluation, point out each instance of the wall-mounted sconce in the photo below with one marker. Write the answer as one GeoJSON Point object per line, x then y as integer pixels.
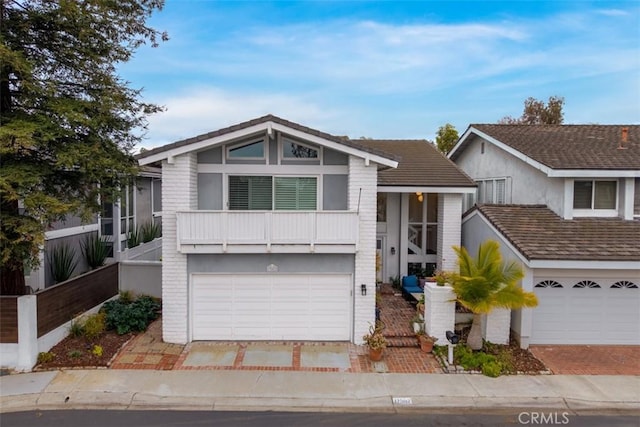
{"type": "Point", "coordinates": [420, 196]}
{"type": "Point", "coordinates": [363, 289]}
{"type": "Point", "coordinates": [393, 250]}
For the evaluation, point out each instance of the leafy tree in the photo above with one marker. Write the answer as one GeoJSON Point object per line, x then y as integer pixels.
{"type": "Point", "coordinates": [537, 113]}
{"type": "Point", "coordinates": [67, 120]}
{"type": "Point", "coordinates": [487, 282]}
{"type": "Point", "coordinates": [446, 138]}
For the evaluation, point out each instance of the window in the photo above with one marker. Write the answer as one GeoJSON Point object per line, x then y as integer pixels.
{"type": "Point", "coordinates": [268, 193]}
{"type": "Point", "coordinates": [624, 284]}
{"type": "Point", "coordinates": [295, 193]}
{"type": "Point", "coordinates": [548, 284]}
{"type": "Point", "coordinates": [381, 213]}
{"type": "Point", "coordinates": [249, 193]}
{"type": "Point", "coordinates": [594, 194]}
{"type": "Point", "coordinates": [586, 284]}
{"type": "Point", "coordinates": [251, 150]}
{"type": "Point", "coordinates": [492, 190]}
{"type": "Point", "coordinates": [295, 150]}
{"type": "Point", "coordinates": [156, 201]}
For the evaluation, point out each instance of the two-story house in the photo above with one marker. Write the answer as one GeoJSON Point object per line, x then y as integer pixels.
{"type": "Point", "coordinates": [273, 230]}
{"type": "Point", "coordinates": [564, 200]}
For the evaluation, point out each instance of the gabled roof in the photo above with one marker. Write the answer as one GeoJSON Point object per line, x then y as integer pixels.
{"type": "Point", "coordinates": [577, 147]}
{"type": "Point", "coordinates": [539, 234]}
{"type": "Point", "coordinates": [255, 126]}
{"type": "Point", "coordinates": [421, 165]}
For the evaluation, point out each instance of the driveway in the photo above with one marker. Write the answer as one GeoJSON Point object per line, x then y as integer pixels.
{"type": "Point", "coordinates": [589, 359]}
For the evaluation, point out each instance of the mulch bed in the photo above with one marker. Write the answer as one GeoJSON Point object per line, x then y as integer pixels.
{"type": "Point", "coordinates": [521, 360]}
{"type": "Point", "coordinates": [76, 352]}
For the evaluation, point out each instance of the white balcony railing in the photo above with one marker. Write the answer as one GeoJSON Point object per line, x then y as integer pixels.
{"type": "Point", "coordinates": [226, 228]}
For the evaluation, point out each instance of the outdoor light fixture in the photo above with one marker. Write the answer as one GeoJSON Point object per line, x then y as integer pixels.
{"type": "Point", "coordinates": [420, 196]}
{"type": "Point", "coordinates": [393, 250]}
{"type": "Point", "coordinates": [363, 289]}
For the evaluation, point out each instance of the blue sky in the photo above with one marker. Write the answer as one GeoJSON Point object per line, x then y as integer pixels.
{"type": "Point", "coordinates": [386, 69]}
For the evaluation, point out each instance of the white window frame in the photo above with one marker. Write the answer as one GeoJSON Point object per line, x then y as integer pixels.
{"type": "Point", "coordinates": [593, 212]}
{"type": "Point", "coordinates": [480, 196]}
{"type": "Point", "coordinates": [262, 139]}
{"type": "Point", "coordinates": [283, 139]}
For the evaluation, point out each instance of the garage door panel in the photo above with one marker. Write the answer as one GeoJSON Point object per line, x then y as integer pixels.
{"type": "Point", "coordinates": [586, 316]}
{"type": "Point", "coordinates": [271, 307]}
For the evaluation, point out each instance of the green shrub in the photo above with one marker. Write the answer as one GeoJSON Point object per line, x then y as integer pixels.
{"type": "Point", "coordinates": [492, 369]}
{"type": "Point", "coordinates": [75, 354]}
{"type": "Point", "coordinates": [76, 328]}
{"type": "Point", "coordinates": [45, 357]}
{"type": "Point", "coordinates": [134, 316]}
{"type": "Point", "coordinates": [149, 231]}
{"type": "Point", "coordinates": [94, 325]}
{"type": "Point", "coordinates": [62, 262]}
{"type": "Point", "coordinates": [95, 250]}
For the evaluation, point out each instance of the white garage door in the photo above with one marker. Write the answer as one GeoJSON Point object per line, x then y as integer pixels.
{"type": "Point", "coordinates": [568, 315]}
{"type": "Point", "coordinates": [271, 307]}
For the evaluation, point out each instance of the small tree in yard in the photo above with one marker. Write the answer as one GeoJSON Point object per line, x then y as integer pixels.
{"type": "Point", "coordinates": [68, 122]}
{"type": "Point", "coordinates": [487, 282]}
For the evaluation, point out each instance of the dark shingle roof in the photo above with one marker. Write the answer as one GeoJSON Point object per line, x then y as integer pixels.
{"type": "Point", "coordinates": [571, 146]}
{"type": "Point", "coordinates": [539, 234]}
{"type": "Point", "coordinates": [421, 165]}
{"type": "Point", "coordinates": [264, 119]}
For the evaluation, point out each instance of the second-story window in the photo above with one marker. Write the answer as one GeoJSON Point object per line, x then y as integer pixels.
{"type": "Point", "coordinates": [247, 151]}
{"type": "Point", "coordinates": [594, 194]}
{"type": "Point", "coordinates": [269, 193]}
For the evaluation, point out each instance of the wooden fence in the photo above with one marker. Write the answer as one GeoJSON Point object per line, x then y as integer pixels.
{"type": "Point", "coordinates": [61, 303]}
{"type": "Point", "coordinates": [9, 319]}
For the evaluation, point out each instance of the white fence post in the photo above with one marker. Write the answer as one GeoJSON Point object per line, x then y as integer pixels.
{"type": "Point", "coordinates": [27, 332]}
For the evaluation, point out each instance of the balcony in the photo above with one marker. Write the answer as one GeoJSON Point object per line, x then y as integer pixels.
{"type": "Point", "coordinates": [267, 232]}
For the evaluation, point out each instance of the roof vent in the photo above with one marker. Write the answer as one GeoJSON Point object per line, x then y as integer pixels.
{"type": "Point", "coordinates": [624, 138]}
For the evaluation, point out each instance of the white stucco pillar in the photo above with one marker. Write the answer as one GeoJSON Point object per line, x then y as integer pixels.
{"type": "Point", "coordinates": [27, 332]}
{"type": "Point", "coordinates": [440, 310]}
{"type": "Point", "coordinates": [449, 230]}
{"type": "Point", "coordinates": [496, 326]}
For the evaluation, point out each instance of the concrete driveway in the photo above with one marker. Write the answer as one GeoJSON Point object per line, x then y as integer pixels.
{"type": "Point", "coordinates": [589, 359]}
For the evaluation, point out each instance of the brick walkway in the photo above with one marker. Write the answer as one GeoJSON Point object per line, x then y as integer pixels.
{"type": "Point", "coordinates": [589, 359]}
{"type": "Point", "coordinates": [396, 314]}
{"type": "Point", "coordinates": [148, 351]}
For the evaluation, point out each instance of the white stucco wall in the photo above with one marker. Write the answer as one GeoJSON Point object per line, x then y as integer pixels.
{"type": "Point", "coordinates": [362, 197]}
{"type": "Point", "coordinates": [528, 185]}
{"type": "Point", "coordinates": [179, 192]}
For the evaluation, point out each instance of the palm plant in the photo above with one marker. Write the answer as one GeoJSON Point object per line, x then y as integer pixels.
{"type": "Point", "coordinates": [487, 282]}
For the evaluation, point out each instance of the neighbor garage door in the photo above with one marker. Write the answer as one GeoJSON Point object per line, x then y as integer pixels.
{"type": "Point", "coordinates": [586, 315]}
{"type": "Point", "coordinates": [271, 307]}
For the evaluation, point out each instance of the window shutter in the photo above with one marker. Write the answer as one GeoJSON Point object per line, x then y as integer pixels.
{"type": "Point", "coordinates": [250, 193]}
{"type": "Point", "coordinates": [307, 194]}
{"type": "Point", "coordinates": [238, 193]}
{"type": "Point", "coordinates": [295, 193]}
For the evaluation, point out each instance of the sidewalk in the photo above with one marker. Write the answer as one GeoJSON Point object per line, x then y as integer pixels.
{"type": "Point", "coordinates": [313, 391]}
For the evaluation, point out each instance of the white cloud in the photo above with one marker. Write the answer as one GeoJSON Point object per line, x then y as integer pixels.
{"type": "Point", "coordinates": [204, 109]}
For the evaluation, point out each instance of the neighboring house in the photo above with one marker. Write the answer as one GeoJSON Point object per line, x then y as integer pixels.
{"type": "Point", "coordinates": [564, 200]}
{"type": "Point", "coordinates": [270, 227]}
{"type": "Point", "coordinates": [139, 204]}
